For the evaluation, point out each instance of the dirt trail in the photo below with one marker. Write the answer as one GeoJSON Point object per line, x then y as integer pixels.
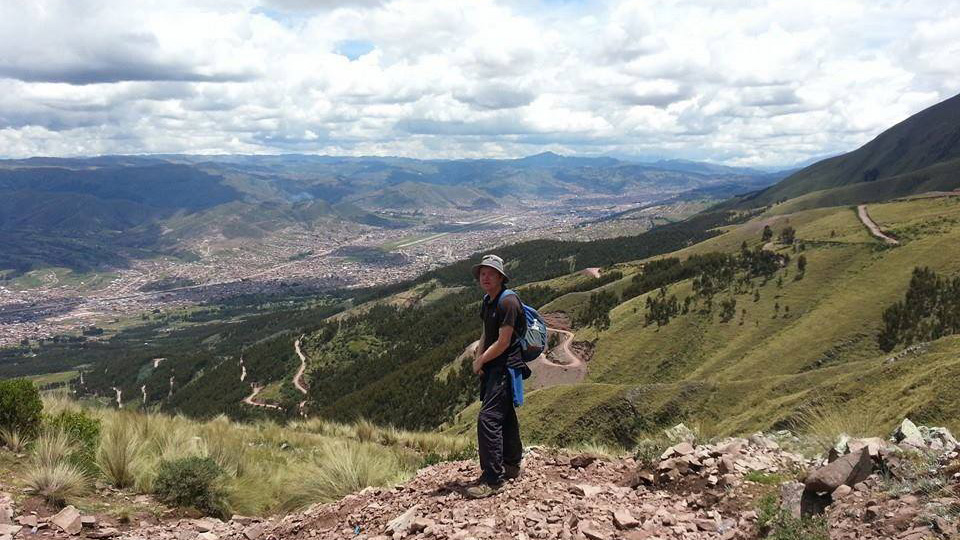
{"type": "Point", "coordinates": [593, 272]}
{"type": "Point", "coordinates": [297, 382]}
{"type": "Point", "coordinates": [298, 378]}
{"type": "Point", "coordinates": [562, 364]}
{"type": "Point", "coordinates": [873, 227]}
{"type": "Point", "coordinates": [250, 400]}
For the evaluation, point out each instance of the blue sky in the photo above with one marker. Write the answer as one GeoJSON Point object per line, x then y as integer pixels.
{"type": "Point", "coordinates": [753, 83]}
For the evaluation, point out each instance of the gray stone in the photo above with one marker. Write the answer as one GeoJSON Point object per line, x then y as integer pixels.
{"type": "Point", "coordinates": [758, 439]}
{"type": "Point", "coordinates": [592, 531]}
{"type": "Point", "coordinates": [681, 449]}
{"type": "Point", "coordinates": [68, 521]}
{"type": "Point", "coordinates": [254, 531]}
{"type": "Point", "coordinates": [623, 519]}
{"type": "Point", "coordinates": [791, 498]}
{"type": "Point", "coordinates": [908, 433]}
{"type": "Point", "coordinates": [107, 532]}
{"type": "Point", "coordinates": [420, 524]}
{"type": "Point", "coordinates": [873, 445]}
{"type": "Point", "coordinates": [939, 438]}
{"type": "Point", "coordinates": [401, 524]}
{"type": "Point", "coordinates": [9, 530]}
{"type": "Point", "coordinates": [841, 492]}
{"type": "Point", "coordinates": [849, 469]}
{"type": "Point", "coordinates": [680, 433]}
{"type": "Point", "coordinates": [205, 525]}
{"type": "Point", "coordinates": [707, 525]}
{"type": "Point", "coordinates": [585, 490]}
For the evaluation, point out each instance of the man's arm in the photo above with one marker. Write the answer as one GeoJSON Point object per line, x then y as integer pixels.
{"type": "Point", "coordinates": [495, 350]}
{"type": "Point", "coordinates": [478, 350]}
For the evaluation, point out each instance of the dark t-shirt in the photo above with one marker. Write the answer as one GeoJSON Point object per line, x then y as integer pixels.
{"type": "Point", "coordinates": [495, 315]}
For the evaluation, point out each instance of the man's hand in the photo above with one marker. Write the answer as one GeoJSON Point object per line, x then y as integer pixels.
{"type": "Point", "coordinates": [477, 365]}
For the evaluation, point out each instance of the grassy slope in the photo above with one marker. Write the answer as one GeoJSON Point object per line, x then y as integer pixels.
{"type": "Point", "coordinates": [925, 139]}
{"type": "Point", "coordinates": [736, 377]}
{"type": "Point", "coordinates": [938, 177]}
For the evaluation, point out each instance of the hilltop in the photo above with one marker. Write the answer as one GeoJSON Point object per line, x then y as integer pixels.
{"type": "Point", "coordinates": [918, 155]}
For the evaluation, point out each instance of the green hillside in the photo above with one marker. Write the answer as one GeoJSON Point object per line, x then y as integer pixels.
{"type": "Point", "coordinates": [791, 343]}
{"type": "Point", "coordinates": [914, 156]}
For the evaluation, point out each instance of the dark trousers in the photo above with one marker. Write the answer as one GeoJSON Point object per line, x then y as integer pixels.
{"type": "Point", "coordinates": [498, 432]}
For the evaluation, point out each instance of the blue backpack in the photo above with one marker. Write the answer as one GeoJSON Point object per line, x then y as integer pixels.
{"type": "Point", "coordinates": [533, 335]}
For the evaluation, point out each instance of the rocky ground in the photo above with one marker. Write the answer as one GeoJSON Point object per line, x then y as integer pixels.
{"type": "Point", "coordinates": [904, 488]}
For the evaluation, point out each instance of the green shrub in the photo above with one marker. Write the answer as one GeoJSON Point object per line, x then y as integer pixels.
{"type": "Point", "coordinates": [193, 482]}
{"type": "Point", "coordinates": [84, 431]}
{"type": "Point", "coordinates": [20, 406]}
{"type": "Point", "coordinates": [764, 478]}
{"type": "Point", "coordinates": [775, 523]}
{"type": "Point", "coordinates": [649, 450]}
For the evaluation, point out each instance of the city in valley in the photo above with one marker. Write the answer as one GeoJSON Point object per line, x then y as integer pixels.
{"type": "Point", "coordinates": [53, 302]}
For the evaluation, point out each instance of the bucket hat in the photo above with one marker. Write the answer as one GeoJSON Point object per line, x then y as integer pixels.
{"type": "Point", "coordinates": [493, 262]}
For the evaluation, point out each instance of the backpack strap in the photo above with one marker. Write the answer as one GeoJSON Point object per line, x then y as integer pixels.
{"type": "Point", "coordinates": [518, 330]}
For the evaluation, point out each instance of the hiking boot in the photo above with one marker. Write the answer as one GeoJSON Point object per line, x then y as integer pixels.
{"type": "Point", "coordinates": [476, 481]}
{"type": "Point", "coordinates": [511, 472]}
{"type": "Point", "coordinates": [483, 490]}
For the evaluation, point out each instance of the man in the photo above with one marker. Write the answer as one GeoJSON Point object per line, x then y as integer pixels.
{"type": "Point", "coordinates": [498, 432]}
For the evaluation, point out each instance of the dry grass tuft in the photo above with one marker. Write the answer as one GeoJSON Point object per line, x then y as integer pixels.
{"type": "Point", "coordinates": [58, 483]}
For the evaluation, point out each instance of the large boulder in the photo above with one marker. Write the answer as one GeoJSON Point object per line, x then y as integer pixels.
{"type": "Point", "coordinates": [847, 470]}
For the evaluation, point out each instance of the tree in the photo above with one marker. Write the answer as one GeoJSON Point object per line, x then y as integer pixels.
{"type": "Point", "coordinates": [767, 233]}
{"type": "Point", "coordinates": [661, 309]}
{"type": "Point", "coordinates": [728, 308]}
{"type": "Point", "coordinates": [788, 235]}
{"type": "Point", "coordinates": [598, 309]}
{"type": "Point", "coordinates": [801, 267]}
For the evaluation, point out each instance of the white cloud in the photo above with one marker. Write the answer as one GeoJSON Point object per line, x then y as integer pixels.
{"type": "Point", "coordinates": [760, 82]}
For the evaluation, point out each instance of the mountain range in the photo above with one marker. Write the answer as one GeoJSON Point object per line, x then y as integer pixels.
{"type": "Point", "coordinates": [139, 205]}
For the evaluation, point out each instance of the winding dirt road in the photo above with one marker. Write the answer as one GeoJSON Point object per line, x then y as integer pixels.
{"type": "Point", "coordinates": [251, 399]}
{"type": "Point", "coordinates": [297, 383]}
{"type": "Point", "coordinates": [298, 378]}
{"type": "Point", "coordinates": [560, 364]}
{"type": "Point", "coordinates": [873, 227]}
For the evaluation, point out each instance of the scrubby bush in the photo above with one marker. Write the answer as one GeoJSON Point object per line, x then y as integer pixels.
{"type": "Point", "coordinates": [193, 482]}
{"type": "Point", "coordinates": [20, 406]}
